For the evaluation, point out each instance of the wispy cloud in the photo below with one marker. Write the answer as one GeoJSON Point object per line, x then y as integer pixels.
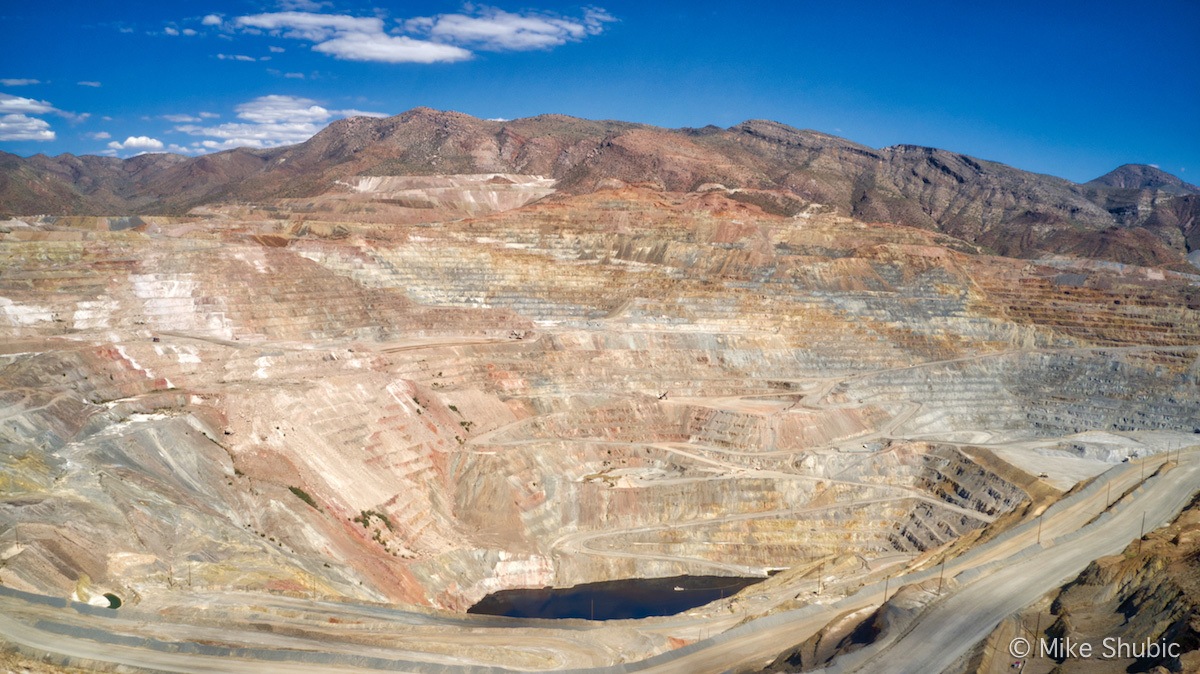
{"type": "Point", "coordinates": [180, 119]}
{"type": "Point", "coordinates": [24, 106]}
{"type": "Point", "coordinates": [390, 49]}
{"type": "Point", "coordinates": [18, 82]}
{"type": "Point", "coordinates": [278, 109]}
{"type": "Point", "coordinates": [89, 83]}
{"type": "Point", "coordinates": [24, 127]}
{"type": "Point", "coordinates": [211, 20]}
{"type": "Point", "coordinates": [138, 143]}
{"type": "Point", "coordinates": [236, 57]}
{"type": "Point", "coordinates": [491, 29]}
{"type": "Point", "coordinates": [99, 135]}
{"type": "Point", "coordinates": [352, 38]}
{"type": "Point", "coordinates": [351, 112]}
{"type": "Point", "coordinates": [302, 5]}
{"type": "Point", "coordinates": [268, 121]}
{"type": "Point", "coordinates": [180, 149]}
{"type": "Point", "coordinates": [20, 105]}
{"type": "Point", "coordinates": [443, 38]}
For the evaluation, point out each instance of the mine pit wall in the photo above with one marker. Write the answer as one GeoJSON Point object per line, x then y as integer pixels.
{"type": "Point", "coordinates": [162, 507]}
{"type": "Point", "coordinates": [716, 526]}
{"type": "Point", "coordinates": [466, 519]}
{"type": "Point", "coordinates": [954, 478]}
{"type": "Point", "coordinates": [1045, 394]}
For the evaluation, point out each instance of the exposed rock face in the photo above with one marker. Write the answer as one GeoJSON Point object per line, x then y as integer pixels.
{"type": "Point", "coordinates": [1136, 214]}
{"type": "Point", "coordinates": [621, 383]}
{"type": "Point", "coordinates": [1142, 177]}
{"type": "Point", "coordinates": [1150, 593]}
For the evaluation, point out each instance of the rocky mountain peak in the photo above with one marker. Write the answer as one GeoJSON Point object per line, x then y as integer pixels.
{"type": "Point", "coordinates": [1144, 176]}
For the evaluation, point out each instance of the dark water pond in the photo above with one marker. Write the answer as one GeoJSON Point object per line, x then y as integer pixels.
{"type": "Point", "coordinates": [613, 600]}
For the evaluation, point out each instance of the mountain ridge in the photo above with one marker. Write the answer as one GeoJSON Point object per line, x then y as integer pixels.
{"type": "Point", "coordinates": [1135, 213]}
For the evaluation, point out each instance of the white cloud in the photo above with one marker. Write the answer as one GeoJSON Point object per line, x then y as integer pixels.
{"type": "Point", "coordinates": [99, 135]}
{"type": "Point", "coordinates": [180, 119]}
{"type": "Point", "coordinates": [170, 31]}
{"type": "Point", "coordinates": [303, 5]}
{"type": "Point", "coordinates": [235, 57]}
{"type": "Point", "coordinates": [24, 106]}
{"type": "Point", "coordinates": [390, 49]}
{"type": "Point", "coordinates": [310, 26]}
{"type": "Point", "coordinates": [275, 108]}
{"type": "Point", "coordinates": [89, 83]}
{"type": "Point", "coordinates": [189, 31]}
{"type": "Point", "coordinates": [137, 143]}
{"type": "Point", "coordinates": [276, 50]}
{"type": "Point", "coordinates": [18, 82]}
{"type": "Point", "coordinates": [19, 105]}
{"type": "Point", "coordinates": [23, 127]}
{"type": "Point", "coordinates": [352, 38]}
{"type": "Point", "coordinates": [294, 76]}
{"type": "Point", "coordinates": [268, 121]}
{"type": "Point", "coordinates": [209, 115]}
{"type": "Point", "coordinates": [494, 29]}
{"type": "Point", "coordinates": [211, 20]}
{"type": "Point", "coordinates": [360, 113]}
{"type": "Point", "coordinates": [180, 149]}
{"type": "Point", "coordinates": [444, 38]}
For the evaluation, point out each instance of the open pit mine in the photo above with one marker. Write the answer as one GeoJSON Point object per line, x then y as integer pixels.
{"type": "Point", "coordinates": [305, 419]}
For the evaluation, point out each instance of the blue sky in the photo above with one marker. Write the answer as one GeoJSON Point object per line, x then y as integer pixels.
{"type": "Point", "coordinates": [1068, 89]}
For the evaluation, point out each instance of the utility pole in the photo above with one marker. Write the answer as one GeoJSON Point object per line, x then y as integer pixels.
{"type": "Point", "coordinates": [1142, 532]}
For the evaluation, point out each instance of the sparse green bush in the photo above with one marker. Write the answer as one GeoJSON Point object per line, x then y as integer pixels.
{"type": "Point", "coordinates": [303, 496]}
{"type": "Point", "coordinates": [364, 518]}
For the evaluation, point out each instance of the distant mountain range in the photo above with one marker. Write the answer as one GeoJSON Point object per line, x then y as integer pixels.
{"type": "Point", "coordinates": [1135, 214]}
